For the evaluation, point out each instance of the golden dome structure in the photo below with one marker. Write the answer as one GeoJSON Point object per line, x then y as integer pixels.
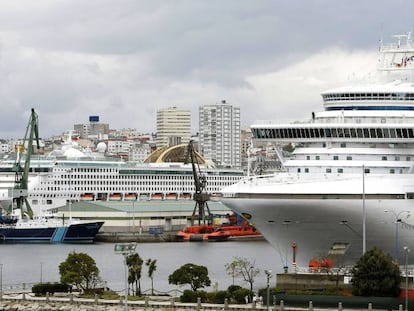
{"type": "Point", "coordinates": [174, 154]}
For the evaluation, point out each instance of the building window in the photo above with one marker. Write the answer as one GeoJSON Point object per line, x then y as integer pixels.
{"type": "Point", "coordinates": [298, 170]}
{"type": "Point", "coordinates": [306, 170]}
{"type": "Point", "coordinates": [329, 170]}
{"type": "Point", "coordinates": [349, 158]}
{"type": "Point", "coordinates": [317, 158]}
{"type": "Point", "coordinates": [340, 170]}
{"type": "Point", "coordinates": [392, 171]}
{"type": "Point", "coordinates": [335, 157]}
{"type": "Point", "coordinates": [384, 158]}
{"type": "Point", "coordinates": [343, 145]}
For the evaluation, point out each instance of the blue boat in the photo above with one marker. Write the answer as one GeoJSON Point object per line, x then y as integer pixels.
{"type": "Point", "coordinates": [48, 230]}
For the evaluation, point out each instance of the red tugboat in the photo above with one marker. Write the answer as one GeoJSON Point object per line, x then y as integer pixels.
{"type": "Point", "coordinates": [235, 227]}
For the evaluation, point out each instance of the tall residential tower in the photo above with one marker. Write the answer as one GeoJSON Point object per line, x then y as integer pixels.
{"type": "Point", "coordinates": [173, 126]}
{"type": "Point", "coordinates": [219, 127]}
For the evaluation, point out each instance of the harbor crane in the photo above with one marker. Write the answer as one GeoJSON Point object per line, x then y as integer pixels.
{"type": "Point", "coordinates": [20, 190]}
{"type": "Point", "coordinates": [200, 181]}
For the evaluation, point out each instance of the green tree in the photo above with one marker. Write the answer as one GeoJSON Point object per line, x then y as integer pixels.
{"type": "Point", "coordinates": [194, 275]}
{"type": "Point", "coordinates": [79, 270]}
{"type": "Point", "coordinates": [152, 266]}
{"type": "Point", "coordinates": [134, 263]}
{"type": "Point", "coordinates": [376, 274]}
{"type": "Point", "coordinates": [243, 268]}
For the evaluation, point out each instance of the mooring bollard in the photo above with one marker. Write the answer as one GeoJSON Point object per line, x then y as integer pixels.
{"type": "Point", "coordinates": [47, 297]}
{"type": "Point", "coordinates": [172, 301]}
{"type": "Point", "coordinates": [71, 298]}
{"type": "Point", "coordinates": [282, 305]}
{"type": "Point", "coordinates": [400, 307]}
{"type": "Point", "coordinates": [274, 300]}
{"type": "Point", "coordinates": [310, 305]}
{"type": "Point", "coordinates": [226, 303]}
{"type": "Point", "coordinates": [254, 304]}
{"type": "Point", "coordinates": [146, 301]}
{"type": "Point", "coordinates": [339, 306]}
{"type": "Point", "coordinates": [96, 298]}
{"type": "Point", "coordinates": [370, 306]}
{"type": "Point", "coordinates": [24, 296]}
{"type": "Point", "coordinates": [198, 303]}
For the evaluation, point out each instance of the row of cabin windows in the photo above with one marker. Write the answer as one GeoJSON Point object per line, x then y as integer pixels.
{"type": "Point", "coordinates": [288, 133]}
{"type": "Point", "coordinates": [368, 96]}
{"type": "Point", "coordinates": [341, 170]}
{"type": "Point", "coordinates": [383, 158]}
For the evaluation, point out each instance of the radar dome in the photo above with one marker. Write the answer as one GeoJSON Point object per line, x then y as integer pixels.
{"type": "Point", "coordinates": [101, 147]}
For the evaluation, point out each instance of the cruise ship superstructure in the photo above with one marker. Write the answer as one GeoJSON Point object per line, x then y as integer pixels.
{"type": "Point", "coordinates": [348, 185]}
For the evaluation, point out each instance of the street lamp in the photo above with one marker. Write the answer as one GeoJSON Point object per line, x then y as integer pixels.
{"type": "Point", "coordinates": [407, 250]}
{"type": "Point", "coordinates": [70, 171]}
{"type": "Point", "coordinates": [397, 222]}
{"type": "Point", "coordinates": [125, 249]}
{"type": "Point", "coordinates": [268, 275]}
{"type": "Point", "coordinates": [1, 281]}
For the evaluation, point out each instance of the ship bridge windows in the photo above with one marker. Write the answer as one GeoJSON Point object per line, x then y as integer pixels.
{"type": "Point", "coordinates": [339, 132]}
{"type": "Point", "coordinates": [406, 96]}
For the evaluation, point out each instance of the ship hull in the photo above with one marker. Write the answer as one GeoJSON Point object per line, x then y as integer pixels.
{"type": "Point", "coordinates": [326, 218]}
{"type": "Point", "coordinates": [76, 233]}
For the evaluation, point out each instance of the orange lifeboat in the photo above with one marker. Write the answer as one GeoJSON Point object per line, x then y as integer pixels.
{"type": "Point", "coordinates": [86, 197]}
{"type": "Point", "coordinates": [130, 197]}
{"type": "Point", "coordinates": [156, 196]}
{"type": "Point", "coordinates": [115, 197]}
{"type": "Point", "coordinates": [171, 196]}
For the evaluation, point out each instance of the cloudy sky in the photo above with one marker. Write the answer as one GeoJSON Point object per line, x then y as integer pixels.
{"type": "Point", "coordinates": [123, 60]}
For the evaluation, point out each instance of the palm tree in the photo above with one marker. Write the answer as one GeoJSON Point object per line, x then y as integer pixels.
{"type": "Point", "coordinates": [134, 263]}
{"type": "Point", "coordinates": [152, 266]}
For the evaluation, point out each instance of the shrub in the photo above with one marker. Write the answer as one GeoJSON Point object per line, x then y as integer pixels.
{"type": "Point", "coordinates": [221, 295]}
{"type": "Point", "coordinates": [43, 288]}
{"type": "Point", "coordinates": [233, 288]}
{"type": "Point", "coordinates": [191, 296]}
{"type": "Point", "coordinates": [240, 294]}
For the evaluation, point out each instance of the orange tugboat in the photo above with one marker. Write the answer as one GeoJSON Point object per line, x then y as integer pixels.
{"type": "Point", "coordinates": [236, 227]}
{"type": "Point", "coordinates": [202, 233]}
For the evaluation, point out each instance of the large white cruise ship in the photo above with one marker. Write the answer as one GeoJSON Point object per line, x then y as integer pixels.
{"type": "Point", "coordinates": [349, 183]}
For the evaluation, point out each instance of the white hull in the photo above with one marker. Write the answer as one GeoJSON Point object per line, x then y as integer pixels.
{"type": "Point", "coordinates": [285, 216]}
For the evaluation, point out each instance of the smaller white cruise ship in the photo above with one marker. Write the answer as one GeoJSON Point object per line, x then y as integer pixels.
{"type": "Point", "coordinates": [348, 184]}
{"type": "Point", "coordinates": [71, 175]}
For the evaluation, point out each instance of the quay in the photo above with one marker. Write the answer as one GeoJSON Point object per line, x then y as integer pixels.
{"type": "Point", "coordinates": [29, 302]}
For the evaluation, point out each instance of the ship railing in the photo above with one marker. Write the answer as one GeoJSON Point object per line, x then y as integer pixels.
{"type": "Point", "coordinates": [397, 47]}
{"type": "Point", "coordinates": [322, 270]}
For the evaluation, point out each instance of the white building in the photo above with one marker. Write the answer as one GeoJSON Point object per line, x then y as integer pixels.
{"type": "Point", "coordinates": [173, 126]}
{"type": "Point", "coordinates": [220, 134]}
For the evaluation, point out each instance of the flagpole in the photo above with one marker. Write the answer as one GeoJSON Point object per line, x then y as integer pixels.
{"type": "Point", "coordinates": [364, 246]}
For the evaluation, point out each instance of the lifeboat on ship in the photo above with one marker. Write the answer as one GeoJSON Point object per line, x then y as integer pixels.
{"type": "Point", "coordinates": [202, 233]}
{"type": "Point", "coordinates": [171, 196]}
{"type": "Point", "coordinates": [156, 196]}
{"type": "Point", "coordinates": [86, 197]}
{"type": "Point", "coordinates": [115, 197]}
{"type": "Point", "coordinates": [185, 196]}
{"type": "Point", "coordinates": [130, 197]}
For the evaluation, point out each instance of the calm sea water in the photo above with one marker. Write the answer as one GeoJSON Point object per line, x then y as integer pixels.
{"type": "Point", "coordinates": [32, 263]}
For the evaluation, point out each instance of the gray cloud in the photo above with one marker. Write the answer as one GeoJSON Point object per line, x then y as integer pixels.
{"type": "Point", "coordinates": [125, 59]}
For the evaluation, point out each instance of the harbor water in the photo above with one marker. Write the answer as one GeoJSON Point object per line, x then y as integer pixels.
{"type": "Point", "coordinates": [34, 263]}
